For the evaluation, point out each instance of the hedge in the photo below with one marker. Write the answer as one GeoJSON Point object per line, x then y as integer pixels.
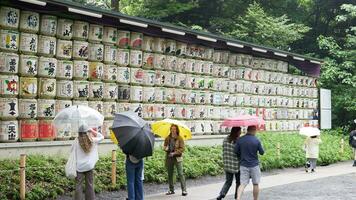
{"type": "Point", "coordinates": [45, 175]}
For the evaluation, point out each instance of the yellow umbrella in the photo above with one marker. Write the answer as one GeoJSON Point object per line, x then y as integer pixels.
{"type": "Point", "coordinates": [162, 128]}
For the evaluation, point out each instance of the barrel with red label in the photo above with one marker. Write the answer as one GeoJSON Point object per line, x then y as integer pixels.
{"type": "Point", "coordinates": [46, 130]}
{"type": "Point", "coordinates": [28, 130]}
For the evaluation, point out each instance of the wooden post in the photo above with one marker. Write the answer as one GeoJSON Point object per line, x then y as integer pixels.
{"type": "Point", "coordinates": [113, 168]}
{"type": "Point", "coordinates": [342, 143]}
{"type": "Point", "coordinates": [279, 151]}
{"type": "Point", "coordinates": [22, 176]}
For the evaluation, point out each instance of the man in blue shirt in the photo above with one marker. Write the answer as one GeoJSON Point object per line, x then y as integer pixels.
{"type": "Point", "coordinates": [246, 148]}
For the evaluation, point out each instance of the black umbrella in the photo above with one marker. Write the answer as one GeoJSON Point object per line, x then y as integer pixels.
{"type": "Point", "coordinates": [133, 134]}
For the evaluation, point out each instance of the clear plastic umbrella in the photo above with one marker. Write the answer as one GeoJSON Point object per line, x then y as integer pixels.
{"type": "Point", "coordinates": [309, 131]}
{"type": "Point", "coordinates": [71, 118]}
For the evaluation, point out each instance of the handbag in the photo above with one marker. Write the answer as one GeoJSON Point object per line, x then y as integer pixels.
{"type": "Point", "coordinates": [71, 165]}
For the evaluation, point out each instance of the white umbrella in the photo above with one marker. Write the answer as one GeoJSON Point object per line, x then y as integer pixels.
{"type": "Point", "coordinates": [309, 131]}
{"type": "Point", "coordinates": [73, 117]}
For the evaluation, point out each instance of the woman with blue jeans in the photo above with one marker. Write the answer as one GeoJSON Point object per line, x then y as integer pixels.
{"type": "Point", "coordinates": [134, 169]}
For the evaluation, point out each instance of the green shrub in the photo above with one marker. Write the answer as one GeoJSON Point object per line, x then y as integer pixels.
{"type": "Point", "coordinates": [45, 177]}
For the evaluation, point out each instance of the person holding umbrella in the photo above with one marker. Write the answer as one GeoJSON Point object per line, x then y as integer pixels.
{"type": "Point", "coordinates": [231, 162]}
{"type": "Point", "coordinates": [352, 141]}
{"type": "Point", "coordinates": [311, 146]}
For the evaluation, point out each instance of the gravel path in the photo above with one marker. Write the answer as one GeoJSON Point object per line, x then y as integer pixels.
{"type": "Point", "coordinates": [332, 188]}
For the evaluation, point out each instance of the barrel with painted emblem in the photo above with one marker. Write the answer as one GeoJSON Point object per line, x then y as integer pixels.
{"type": "Point", "coordinates": [62, 104]}
{"type": "Point", "coordinates": [159, 45]}
{"type": "Point", "coordinates": [147, 44]}
{"type": "Point", "coordinates": [9, 85]}
{"type": "Point", "coordinates": [159, 61]}
{"type": "Point", "coordinates": [28, 65]}
{"type": "Point", "coordinates": [136, 94]}
{"type": "Point", "coordinates": [171, 46]}
{"type": "Point", "coordinates": [64, 89]}
{"type": "Point", "coordinates": [110, 73]}
{"type": "Point", "coordinates": [148, 60]}
{"type": "Point", "coordinates": [97, 105]}
{"type": "Point", "coordinates": [48, 25]}
{"type": "Point", "coordinates": [149, 111]}
{"type": "Point", "coordinates": [96, 33]}
{"type": "Point", "coordinates": [46, 88]}
{"type": "Point", "coordinates": [96, 70]}
{"type": "Point", "coordinates": [80, 50]}
{"type": "Point", "coordinates": [96, 90]}
{"type": "Point", "coordinates": [47, 67]}
{"type": "Point", "coordinates": [29, 21]}
{"type": "Point", "coordinates": [160, 94]}
{"type": "Point", "coordinates": [80, 69]}
{"type": "Point", "coordinates": [64, 69]}
{"type": "Point", "coordinates": [80, 30]}
{"type": "Point", "coordinates": [9, 131]}
{"type": "Point", "coordinates": [9, 40]}
{"type": "Point", "coordinates": [9, 108]}
{"type": "Point", "coordinates": [96, 52]}
{"type": "Point", "coordinates": [123, 107]}
{"type": "Point", "coordinates": [109, 109]}
{"type": "Point", "coordinates": [192, 99]}
{"type": "Point", "coordinates": [9, 63]}
{"type": "Point", "coordinates": [137, 108]}
{"type": "Point", "coordinates": [28, 130]}
{"type": "Point", "coordinates": [136, 40]}
{"type": "Point", "coordinates": [47, 45]}
{"type": "Point", "coordinates": [171, 64]}
{"type": "Point", "coordinates": [64, 49]}
{"type": "Point", "coordinates": [110, 35]}
{"type": "Point", "coordinates": [181, 49]}
{"type": "Point", "coordinates": [28, 87]}
{"type": "Point", "coordinates": [28, 43]}
{"type": "Point", "coordinates": [65, 29]}
{"type": "Point", "coordinates": [135, 58]}
{"type": "Point", "coordinates": [124, 93]}
{"type": "Point", "coordinates": [123, 40]}
{"type": "Point", "coordinates": [198, 67]}
{"type": "Point", "coordinates": [201, 81]}
{"type": "Point", "coordinates": [110, 91]}
{"type": "Point", "coordinates": [123, 74]}
{"type": "Point", "coordinates": [181, 65]}
{"type": "Point", "coordinates": [201, 97]}
{"type": "Point", "coordinates": [137, 76]}
{"type": "Point", "coordinates": [9, 17]}
{"type": "Point", "coordinates": [171, 111]}
{"type": "Point", "coordinates": [110, 54]}
{"type": "Point", "coordinates": [27, 108]}
{"type": "Point", "coordinates": [181, 80]}
{"type": "Point", "coordinates": [148, 94]}
{"type": "Point", "coordinates": [46, 108]}
{"type": "Point", "coordinates": [149, 78]}
{"type": "Point", "coordinates": [123, 57]}
{"type": "Point", "coordinates": [81, 89]}
{"type": "Point", "coordinates": [46, 131]}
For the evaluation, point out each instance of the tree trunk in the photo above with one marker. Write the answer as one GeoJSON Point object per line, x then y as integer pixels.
{"type": "Point", "coordinates": [115, 5]}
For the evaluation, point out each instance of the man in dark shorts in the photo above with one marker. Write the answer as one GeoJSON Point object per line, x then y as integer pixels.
{"type": "Point", "coordinates": [247, 148]}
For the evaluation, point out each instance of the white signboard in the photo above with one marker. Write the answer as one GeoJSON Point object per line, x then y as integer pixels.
{"type": "Point", "coordinates": [325, 109]}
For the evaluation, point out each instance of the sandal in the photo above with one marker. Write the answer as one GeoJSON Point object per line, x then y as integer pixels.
{"type": "Point", "coordinates": [184, 193]}
{"type": "Point", "coordinates": [170, 192]}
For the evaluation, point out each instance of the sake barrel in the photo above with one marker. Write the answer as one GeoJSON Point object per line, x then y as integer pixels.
{"type": "Point", "coordinates": [192, 50]}
{"type": "Point", "coordinates": [46, 131]}
{"type": "Point", "coordinates": [80, 103]}
{"type": "Point", "coordinates": [137, 76]}
{"type": "Point", "coordinates": [47, 67]}
{"type": "Point", "coordinates": [217, 56]}
{"type": "Point", "coordinates": [170, 96]}
{"type": "Point", "coordinates": [198, 67]}
{"type": "Point", "coordinates": [123, 57]}
{"type": "Point", "coordinates": [9, 85]}
{"type": "Point", "coordinates": [135, 58]}
{"type": "Point", "coordinates": [46, 88]}
{"type": "Point", "coordinates": [123, 75]}
{"type": "Point", "coordinates": [159, 61]}
{"type": "Point", "coordinates": [149, 111]}
{"type": "Point", "coordinates": [28, 65]}
{"type": "Point", "coordinates": [96, 90]}
{"type": "Point", "coordinates": [137, 108]}
{"type": "Point", "coordinates": [123, 107]}
{"type": "Point", "coordinates": [9, 108]}
{"type": "Point", "coordinates": [80, 69]}
{"type": "Point", "coordinates": [181, 65]}
{"type": "Point", "coordinates": [96, 70]}
{"type": "Point", "coordinates": [192, 112]}
{"type": "Point", "coordinates": [149, 78]}
{"type": "Point", "coordinates": [182, 112]}
{"type": "Point", "coordinates": [110, 54]}
{"type": "Point", "coordinates": [110, 91]}
{"type": "Point", "coordinates": [205, 68]}
{"type": "Point", "coordinates": [181, 49]}
{"type": "Point", "coordinates": [110, 73]}
{"type": "Point", "coordinates": [147, 44]}
{"type": "Point", "coordinates": [9, 63]}
{"type": "Point", "coordinates": [192, 82]}
{"type": "Point", "coordinates": [9, 131]}
{"type": "Point", "coordinates": [173, 80]}
{"type": "Point", "coordinates": [48, 25]}
{"type": "Point", "coordinates": [62, 104]}
{"type": "Point", "coordinates": [158, 78]}
{"type": "Point", "coordinates": [201, 96]}
{"type": "Point", "coordinates": [46, 108]}
{"type": "Point", "coordinates": [181, 80]}
{"type": "Point", "coordinates": [136, 40]}
{"type": "Point", "coordinates": [171, 111]}
{"type": "Point", "coordinates": [124, 93]}
{"type": "Point", "coordinates": [80, 50]}
{"type": "Point", "coordinates": [184, 98]}
{"type": "Point", "coordinates": [81, 89]}
{"type": "Point", "coordinates": [190, 66]}
{"type": "Point", "coordinates": [29, 21]}
{"type": "Point", "coordinates": [109, 35]}
{"type": "Point", "coordinates": [65, 29]}
{"type": "Point", "coordinates": [28, 43]}
{"type": "Point", "coordinates": [64, 69]}
{"type": "Point", "coordinates": [109, 109]}
{"type": "Point", "coordinates": [123, 40]}
{"type": "Point", "coordinates": [159, 45]}
{"type": "Point", "coordinates": [166, 78]}
{"type": "Point", "coordinates": [160, 94]}
{"type": "Point", "coordinates": [136, 94]}
{"type": "Point", "coordinates": [9, 17]}
{"type": "Point", "coordinates": [192, 99]}
{"type": "Point", "coordinates": [28, 130]}
{"type": "Point", "coordinates": [96, 33]}
{"type": "Point", "coordinates": [171, 64]}
{"type": "Point", "coordinates": [148, 60]}
{"type": "Point", "coordinates": [201, 82]}
{"type": "Point", "coordinates": [96, 52]}
{"type": "Point", "coordinates": [97, 105]}
{"type": "Point", "coordinates": [64, 49]}
{"type": "Point", "coordinates": [9, 40]}
{"type": "Point", "coordinates": [47, 45]}
{"type": "Point", "coordinates": [209, 54]}
{"type": "Point", "coordinates": [80, 30]}
{"type": "Point", "coordinates": [28, 87]}
{"type": "Point", "coordinates": [27, 108]}
{"type": "Point", "coordinates": [63, 132]}
{"type": "Point", "coordinates": [160, 111]}
{"type": "Point", "coordinates": [64, 89]}
{"type": "Point", "coordinates": [106, 128]}
{"type": "Point", "coordinates": [171, 47]}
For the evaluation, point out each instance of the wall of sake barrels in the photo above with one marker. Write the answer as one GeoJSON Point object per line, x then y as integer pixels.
{"type": "Point", "coordinates": [48, 63]}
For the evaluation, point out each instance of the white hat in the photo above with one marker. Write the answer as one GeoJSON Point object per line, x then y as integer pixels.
{"type": "Point", "coordinates": [83, 128]}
